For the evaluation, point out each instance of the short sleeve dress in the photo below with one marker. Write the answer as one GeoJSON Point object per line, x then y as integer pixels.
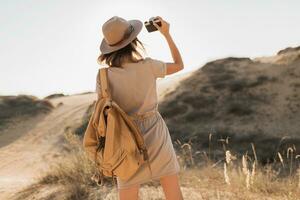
{"type": "Point", "coordinates": [133, 87]}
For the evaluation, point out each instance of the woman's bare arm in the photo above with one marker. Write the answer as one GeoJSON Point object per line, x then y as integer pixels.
{"type": "Point", "coordinates": [177, 65]}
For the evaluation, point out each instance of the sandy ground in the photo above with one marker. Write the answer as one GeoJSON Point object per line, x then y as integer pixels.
{"type": "Point", "coordinates": [28, 145]}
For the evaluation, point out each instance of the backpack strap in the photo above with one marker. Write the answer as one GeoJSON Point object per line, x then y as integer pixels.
{"type": "Point", "coordinates": [104, 83]}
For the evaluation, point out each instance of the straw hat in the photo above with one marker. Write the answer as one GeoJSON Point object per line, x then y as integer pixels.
{"type": "Point", "coordinates": [118, 33]}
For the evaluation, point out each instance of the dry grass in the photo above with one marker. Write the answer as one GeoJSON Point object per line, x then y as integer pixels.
{"type": "Point", "coordinates": [71, 176]}
{"type": "Point", "coordinates": [242, 177]}
{"type": "Point", "coordinates": [21, 106]}
{"type": "Point", "coordinates": [230, 178]}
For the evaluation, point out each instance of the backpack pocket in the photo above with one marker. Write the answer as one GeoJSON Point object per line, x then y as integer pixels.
{"type": "Point", "coordinates": [110, 164]}
{"type": "Point", "coordinates": [128, 167]}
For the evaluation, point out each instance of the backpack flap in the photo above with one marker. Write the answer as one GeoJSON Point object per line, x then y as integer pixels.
{"type": "Point", "coordinates": [134, 130]}
{"type": "Point", "coordinates": [121, 154]}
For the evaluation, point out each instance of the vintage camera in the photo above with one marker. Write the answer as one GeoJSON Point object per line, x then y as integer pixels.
{"type": "Point", "coordinates": [149, 24]}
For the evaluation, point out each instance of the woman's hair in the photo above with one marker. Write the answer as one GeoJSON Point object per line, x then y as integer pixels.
{"type": "Point", "coordinates": [129, 52]}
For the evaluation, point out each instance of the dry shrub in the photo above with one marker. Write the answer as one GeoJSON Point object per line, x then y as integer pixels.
{"type": "Point", "coordinates": [199, 101]}
{"type": "Point", "coordinates": [173, 109]}
{"type": "Point", "coordinates": [239, 108]}
{"type": "Point", "coordinates": [75, 166]}
{"type": "Point", "coordinates": [20, 106]}
{"type": "Point", "coordinates": [85, 120]}
{"type": "Point", "coordinates": [73, 173]}
{"type": "Point", "coordinates": [53, 96]}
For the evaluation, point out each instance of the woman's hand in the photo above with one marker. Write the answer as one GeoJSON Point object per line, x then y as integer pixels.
{"type": "Point", "coordinates": [164, 28]}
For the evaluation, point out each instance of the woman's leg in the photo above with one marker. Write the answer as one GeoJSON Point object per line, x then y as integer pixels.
{"type": "Point", "coordinates": [129, 193]}
{"type": "Point", "coordinates": [171, 187]}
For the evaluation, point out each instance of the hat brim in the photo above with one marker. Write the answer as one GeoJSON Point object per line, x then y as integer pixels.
{"type": "Point", "coordinates": [106, 48]}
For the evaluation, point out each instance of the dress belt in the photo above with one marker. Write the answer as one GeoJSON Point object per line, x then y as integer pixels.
{"type": "Point", "coordinates": [143, 115]}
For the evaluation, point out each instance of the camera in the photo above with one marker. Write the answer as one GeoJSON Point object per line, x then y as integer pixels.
{"type": "Point", "coordinates": [149, 24]}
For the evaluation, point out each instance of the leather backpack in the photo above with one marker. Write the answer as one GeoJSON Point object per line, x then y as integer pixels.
{"type": "Point", "coordinates": [112, 139]}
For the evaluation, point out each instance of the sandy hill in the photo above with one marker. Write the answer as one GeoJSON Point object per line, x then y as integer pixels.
{"type": "Point", "coordinates": [246, 100]}
{"type": "Point", "coordinates": [29, 144]}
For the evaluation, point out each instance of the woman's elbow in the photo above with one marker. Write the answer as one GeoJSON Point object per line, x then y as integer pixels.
{"type": "Point", "coordinates": [180, 66]}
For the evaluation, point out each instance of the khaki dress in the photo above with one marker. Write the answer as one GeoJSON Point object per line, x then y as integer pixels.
{"type": "Point", "coordinates": [133, 87]}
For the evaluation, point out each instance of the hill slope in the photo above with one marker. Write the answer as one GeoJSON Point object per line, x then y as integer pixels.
{"type": "Point", "coordinates": [246, 100]}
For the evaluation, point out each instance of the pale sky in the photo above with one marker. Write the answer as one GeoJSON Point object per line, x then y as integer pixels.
{"type": "Point", "coordinates": [51, 46]}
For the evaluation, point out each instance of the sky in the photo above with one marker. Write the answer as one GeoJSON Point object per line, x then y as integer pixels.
{"type": "Point", "coordinates": [51, 46]}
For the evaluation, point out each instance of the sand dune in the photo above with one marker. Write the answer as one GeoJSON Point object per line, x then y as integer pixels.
{"type": "Point", "coordinates": [39, 142]}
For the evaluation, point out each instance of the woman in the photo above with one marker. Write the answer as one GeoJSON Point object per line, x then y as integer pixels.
{"type": "Point", "coordinates": [132, 81]}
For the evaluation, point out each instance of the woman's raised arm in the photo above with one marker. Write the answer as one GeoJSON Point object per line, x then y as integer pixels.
{"type": "Point", "coordinates": [177, 65]}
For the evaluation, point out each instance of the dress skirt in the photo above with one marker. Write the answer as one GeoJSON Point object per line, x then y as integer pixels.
{"type": "Point", "coordinates": [162, 156]}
